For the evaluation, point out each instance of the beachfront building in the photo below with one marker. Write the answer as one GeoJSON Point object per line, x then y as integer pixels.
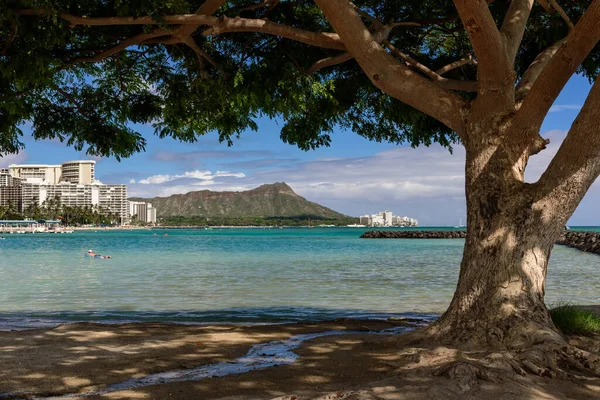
{"type": "Point", "coordinates": [71, 184]}
{"type": "Point", "coordinates": [109, 198]}
{"type": "Point", "coordinates": [142, 212]}
{"type": "Point", "coordinates": [10, 190]}
{"type": "Point", "coordinates": [78, 172]}
{"type": "Point", "coordinates": [386, 218]}
{"type": "Point", "coordinates": [36, 173]}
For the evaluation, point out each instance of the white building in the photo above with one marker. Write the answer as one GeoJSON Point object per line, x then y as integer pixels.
{"type": "Point", "coordinates": [78, 172]}
{"type": "Point", "coordinates": [109, 198]}
{"type": "Point", "coordinates": [387, 219]}
{"type": "Point", "coordinates": [143, 212]}
{"type": "Point", "coordinates": [72, 183]}
{"type": "Point", "coordinates": [10, 190]}
{"type": "Point", "coordinates": [37, 173]}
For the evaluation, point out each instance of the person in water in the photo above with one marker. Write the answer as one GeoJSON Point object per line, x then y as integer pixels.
{"type": "Point", "coordinates": [90, 253]}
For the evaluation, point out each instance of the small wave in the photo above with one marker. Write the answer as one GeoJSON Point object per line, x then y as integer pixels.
{"type": "Point", "coordinates": [254, 316]}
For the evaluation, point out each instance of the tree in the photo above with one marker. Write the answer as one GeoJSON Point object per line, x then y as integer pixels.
{"type": "Point", "coordinates": [482, 74]}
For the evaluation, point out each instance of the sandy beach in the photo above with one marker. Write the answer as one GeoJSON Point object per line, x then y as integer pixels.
{"type": "Point", "coordinates": [83, 358]}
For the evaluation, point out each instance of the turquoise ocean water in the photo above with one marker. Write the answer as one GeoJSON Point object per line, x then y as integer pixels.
{"type": "Point", "coordinates": [244, 275]}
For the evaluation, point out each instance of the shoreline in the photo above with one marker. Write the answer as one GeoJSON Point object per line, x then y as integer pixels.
{"type": "Point", "coordinates": [339, 359]}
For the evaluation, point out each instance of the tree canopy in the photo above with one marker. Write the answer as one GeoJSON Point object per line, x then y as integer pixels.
{"type": "Point", "coordinates": [90, 72]}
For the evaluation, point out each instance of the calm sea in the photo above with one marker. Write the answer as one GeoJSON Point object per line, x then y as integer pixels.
{"type": "Point", "coordinates": [244, 275]}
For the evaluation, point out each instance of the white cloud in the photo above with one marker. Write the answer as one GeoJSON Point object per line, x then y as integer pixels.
{"type": "Point", "coordinates": [7, 159]}
{"type": "Point", "coordinates": [564, 107]}
{"type": "Point", "coordinates": [206, 176]}
{"type": "Point", "coordinates": [132, 181]}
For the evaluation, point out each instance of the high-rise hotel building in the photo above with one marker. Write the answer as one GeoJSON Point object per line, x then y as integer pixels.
{"type": "Point", "coordinates": [73, 183]}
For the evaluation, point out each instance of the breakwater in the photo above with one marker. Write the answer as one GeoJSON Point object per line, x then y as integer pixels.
{"type": "Point", "coordinates": [414, 235]}
{"type": "Point", "coordinates": [584, 241]}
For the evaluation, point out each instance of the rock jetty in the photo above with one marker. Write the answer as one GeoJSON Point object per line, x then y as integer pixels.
{"type": "Point", "coordinates": [584, 241]}
{"type": "Point", "coordinates": [414, 235]}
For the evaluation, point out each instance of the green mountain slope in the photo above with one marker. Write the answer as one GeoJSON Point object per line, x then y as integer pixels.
{"type": "Point", "coordinates": [274, 200]}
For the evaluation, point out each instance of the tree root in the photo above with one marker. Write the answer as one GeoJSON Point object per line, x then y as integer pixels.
{"type": "Point", "coordinates": [565, 363]}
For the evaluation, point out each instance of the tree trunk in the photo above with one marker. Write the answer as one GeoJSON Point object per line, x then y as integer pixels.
{"type": "Point", "coordinates": [499, 299]}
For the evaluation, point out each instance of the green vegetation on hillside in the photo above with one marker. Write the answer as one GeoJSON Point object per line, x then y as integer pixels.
{"type": "Point", "coordinates": [255, 221]}
{"type": "Point", "coordinates": [271, 201]}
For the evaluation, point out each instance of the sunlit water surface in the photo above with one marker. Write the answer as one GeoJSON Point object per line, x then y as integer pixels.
{"type": "Point", "coordinates": [244, 275]}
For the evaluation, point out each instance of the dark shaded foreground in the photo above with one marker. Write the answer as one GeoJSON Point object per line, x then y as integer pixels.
{"type": "Point", "coordinates": [81, 358]}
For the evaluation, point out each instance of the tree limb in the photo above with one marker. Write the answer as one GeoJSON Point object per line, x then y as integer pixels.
{"type": "Point", "coordinates": [191, 43]}
{"type": "Point", "coordinates": [269, 3]}
{"type": "Point", "coordinates": [546, 6]}
{"type": "Point", "coordinates": [561, 12]}
{"type": "Point", "coordinates": [539, 145]}
{"type": "Point", "coordinates": [380, 33]}
{"type": "Point", "coordinates": [219, 25]}
{"type": "Point", "coordinates": [386, 73]}
{"type": "Point", "coordinates": [494, 68]}
{"type": "Point", "coordinates": [209, 7]}
{"type": "Point", "coordinates": [514, 25]}
{"type": "Point", "coordinates": [534, 71]}
{"type": "Point", "coordinates": [319, 39]}
{"type": "Point", "coordinates": [446, 83]}
{"type": "Point", "coordinates": [329, 61]}
{"type": "Point", "coordinates": [121, 46]}
{"type": "Point", "coordinates": [456, 64]}
{"type": "Point", "coordinates": [576, 165]}
{"type": "Point", "coordinates": [559, 69]}
{"type": "Point", "coordinates": [13, 35]}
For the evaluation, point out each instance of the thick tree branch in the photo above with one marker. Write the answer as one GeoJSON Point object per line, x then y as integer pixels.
{"type": "Point", "coordinates": [219, 25]}
{"type": "Point", "coordinates": [576, 165]}
{"type": "Point", "coordinates": [456, 64]}
{"type": "Point", "coordinates": [380, 34]}
{"type": "Point", "coordinates": [394, 78]}
{"type": "Point", "coordinates": [319, 39]}
{"type": "Point", "coordinates": [449, 84]}
{"type": "Point", "coordinates": [121, 46]}
{"type": "Point", "coordinates": [561, 12]}
{"type": "Point", "coordinates": [209, 7]}
{"type": "Point", "coordinates": [267, 3]}
{"type": "Point", "coordinates": [550, 82]}
{"type": "Point", "coordinates": [494, 68]}
{"type": "Point", "coordinates": [329, 61]}
{"type": "Point", "coordinates": [514, 25]}
{"type": "Point", "coordinates": [546, 6]}
{"type": "Point", "coordinates": [201, 53]}
{"type": "Point", "coordinates": [534, 71]}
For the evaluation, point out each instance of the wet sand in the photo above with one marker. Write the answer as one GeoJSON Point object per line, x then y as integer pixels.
{"type": "Point", "coordinates": [81, 358]}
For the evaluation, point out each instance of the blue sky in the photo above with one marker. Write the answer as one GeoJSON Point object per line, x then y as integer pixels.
{"type": "Point", "coordinates": [353, 176]}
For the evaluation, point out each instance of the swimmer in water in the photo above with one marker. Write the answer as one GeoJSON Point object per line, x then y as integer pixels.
{"type": "Point", "coordinates": [90, 253]}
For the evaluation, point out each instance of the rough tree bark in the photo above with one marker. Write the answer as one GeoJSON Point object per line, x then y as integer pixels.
{"type": "Point", "coordinates": [499, 299]}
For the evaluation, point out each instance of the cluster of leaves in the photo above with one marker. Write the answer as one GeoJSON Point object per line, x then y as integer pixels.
{"type": "Point", "coordinates": [98, 107]}
{"type": "Point", "coordinates": [52, 209]}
